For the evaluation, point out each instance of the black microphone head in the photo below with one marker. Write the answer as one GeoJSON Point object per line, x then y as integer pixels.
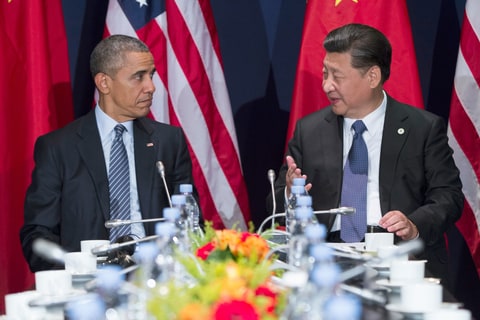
{"type": "Point", "coordinates": [128, 249]}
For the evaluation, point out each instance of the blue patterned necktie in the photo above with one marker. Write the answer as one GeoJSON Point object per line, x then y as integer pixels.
{"type": "Point", "coordinates": [119, 184]}
{"type": "Point", "coordinates": [354, 187]}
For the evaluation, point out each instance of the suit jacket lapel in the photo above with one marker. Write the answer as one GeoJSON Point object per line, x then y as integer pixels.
{"type": "Point", "coordinates": [145, 165]}
{"type": "Point", "coordinates": [395, 132]}
{"type": "Point", "coordinates": [90, 149]}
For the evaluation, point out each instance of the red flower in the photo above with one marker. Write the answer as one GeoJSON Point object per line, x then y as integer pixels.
{"type": "Point", "coordinates": [267, 292]}
{"type": "Point", "coordinates": [204, 252]}
{"type": "Point", "coordinates": [235, 310]}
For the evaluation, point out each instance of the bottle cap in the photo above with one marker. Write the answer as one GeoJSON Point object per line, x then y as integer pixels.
{"type": "Point", "coordinates": [147, 251]}
{"type": "Point", "coordinates": [85, 307]}
{"type": "Point", "coordinates": [321, 252]}
{"type": "Point", "coordinates": [303, 213]}
{"type": "Point", "coordinates": [343, 307]}
{"type": "Point", "coordinates": [325, 275]}
{"type": "Point", "coordinates": [171, 214]}
{"type": "Point", "coordinates": [299, 182]}
{"type": "Point", "coordinates": [178, 199]}
{"type": "Point", "coordinates": [109, 277]}
{"type": "Point", "coordinates": [165, 229]}
{"type": "Point", "coordinates": [296, 190]}
{"type": "Point", "coordinates": [186, 188]}
{"type": "Point", "coordinates": [304, 201]}
{"type": "Point", "coordinates": [316, 232]}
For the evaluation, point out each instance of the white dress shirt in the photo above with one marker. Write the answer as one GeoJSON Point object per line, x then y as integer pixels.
{"type": "Point", "coordinates": [373, 139]}
{"type": "Point", "coordinates": [106, 127]}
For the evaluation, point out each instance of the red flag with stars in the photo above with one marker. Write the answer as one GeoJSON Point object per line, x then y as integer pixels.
{"type": "Point", "coordinates": [322, 16]}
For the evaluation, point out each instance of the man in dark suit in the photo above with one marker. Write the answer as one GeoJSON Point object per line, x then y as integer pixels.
{"type": "Point", "coordinates": [68, 199]}
{"type": "Point", "coordinates": [413, 187]}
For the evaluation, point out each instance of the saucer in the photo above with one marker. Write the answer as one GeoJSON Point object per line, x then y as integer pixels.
{"type": "Point", "coordinates": [415, 313]}
{"type": "Point", "coordinates": [55, 300]}
{"type": "Point", "coordinates": [83, 277]}
{"type": "Point", "coordinates": [396, 285]}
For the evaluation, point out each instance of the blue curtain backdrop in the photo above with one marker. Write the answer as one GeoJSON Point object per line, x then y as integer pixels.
{"type": "Point", "coordinates": [260, 41]}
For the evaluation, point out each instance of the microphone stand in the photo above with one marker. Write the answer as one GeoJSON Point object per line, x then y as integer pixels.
{"type": "Point", "coordinates": [161, 171]}
{"type": "Point", "coordinates": [118, 222]}
{"type": "Point", "coordinates": [271, 179]}
{"type": "Point", "coordinates": [107, 248]}
{"type": "Point", "coordinates": [341, 211]}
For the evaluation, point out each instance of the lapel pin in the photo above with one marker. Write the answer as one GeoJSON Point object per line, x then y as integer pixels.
{"type": "Point", "coordinates": [401, 131]}
{"type": "Point", "coordinates": [150, 144]}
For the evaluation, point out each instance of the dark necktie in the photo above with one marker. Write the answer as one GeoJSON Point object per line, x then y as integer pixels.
{"type": "Point", "coordinates": [354, 187]}
{"type": "Point", "coordinates": [119, 184]}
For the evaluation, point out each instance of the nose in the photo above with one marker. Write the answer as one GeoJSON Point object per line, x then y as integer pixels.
{"type": "Point", "coordinates": [327, 84]}
{"type": "Point", "coordinates": [150, 86]}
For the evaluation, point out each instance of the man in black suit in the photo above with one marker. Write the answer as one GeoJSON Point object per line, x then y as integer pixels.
{"type": "Point", "coordinates": [68, 199]}
{"type": "Point", "coordinates": [413, 187]}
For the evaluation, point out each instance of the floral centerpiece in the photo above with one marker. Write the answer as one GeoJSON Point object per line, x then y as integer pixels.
{"type": "Point", "coordinates": [233, 281]}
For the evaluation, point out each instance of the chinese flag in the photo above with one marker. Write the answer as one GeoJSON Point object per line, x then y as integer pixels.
{"type": "Point", "coordinates": [35, 97]}
{"type": "Point", "coordinates": [322, 16]}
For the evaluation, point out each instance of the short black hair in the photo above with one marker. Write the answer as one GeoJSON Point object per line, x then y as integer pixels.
{"type": "Point", "coordinates": [107, 56]}
{"type": "Point", "coordinates": [367, 46]}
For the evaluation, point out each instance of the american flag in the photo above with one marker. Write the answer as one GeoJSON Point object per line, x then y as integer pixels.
{"type": "Point", "coordinates": [464, 126]}
{"type": "Point", "coordinates": [191, 93]}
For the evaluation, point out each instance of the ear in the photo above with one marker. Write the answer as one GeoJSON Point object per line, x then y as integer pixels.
{"type": "Point", "coordinates": [374, 75]}
{"type": "Point", "coordinates": [101, 82]}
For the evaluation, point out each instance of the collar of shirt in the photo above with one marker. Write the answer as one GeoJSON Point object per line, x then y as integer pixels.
{"type": "Point", "coordinates": [106, 124]}
{"type": "Point", "coordinates": [373, 121]}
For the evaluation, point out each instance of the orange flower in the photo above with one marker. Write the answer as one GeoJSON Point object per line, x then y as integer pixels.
{"type": "Point", "coordinates": [195, 311]}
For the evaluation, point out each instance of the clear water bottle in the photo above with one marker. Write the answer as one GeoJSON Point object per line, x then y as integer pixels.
{"type": "Point", "coordinates": [298, 255]}
{"type": "Point", "coordinates": [85, 307]}
{"type": "Point", "coordinates": [144, 280]}
{"type": "Point", "coordinates": [110, 283]}
{"type": "Point", "coordinates": [296, 191]}
{"type": "Point", "coordinates": [343, 307]}
{"type": "Point", "coordinates": [192, 209]}
{"type": "Point", "coordinates": [177, 215]}
{"type": "Point", "coordinates": [315, 234]}
{"type": "Point", "coordinates": [307, 303]}
{"type": "Point", "coordinates": [305, 200]}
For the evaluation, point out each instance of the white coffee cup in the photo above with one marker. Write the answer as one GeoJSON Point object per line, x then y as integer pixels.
{"type": "Point", "coordinates": [407, 271]}
{"type": "Point", "coordinates": [88, 245]}
{"type": "Point", "coordinates": [80, 263]}
{"type": "Point", "coordinates": [17, 308]}
{"type": "Point", "coordinates": [421, 297]}
{"type": "Point", "coordinates": [387, 254]}
{"type": "Point", "coordinates": [448, 314]}
{"type": "Point", "coordinates": [374, 240]}
{"type": "Point", "coordinates": [53, 282]}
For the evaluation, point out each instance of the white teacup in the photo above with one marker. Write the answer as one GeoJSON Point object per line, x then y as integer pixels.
{"type": "Point", "coordinates": [80, 262]}
{"type": "Point", "coordinates": [388, 253]}
{"type": "Point", "coordinates": [448, 314]}
{"type": "Point", "coordinates": [88, 245]}
{"type": "Point", "coordinates": [17, 308]}
{"type": "Point", "coordinates": [421, 297]}
{"type": "Point", "coordinates": [374, 240]}
{"type": "Point", "coordinates": [53, 282]}
{"type": "Point", "coordinates": [407, 271]}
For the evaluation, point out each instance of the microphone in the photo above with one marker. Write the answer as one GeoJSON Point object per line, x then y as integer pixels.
{"type": "Point", "coordinates": [341, 211]}
{"type": "Point", "coordinates": [271, 179]}
{"type": "Point", "coordinates": [161, 171]}
{"type": "Point", "coordinates": [49, 250]}
{"type": "Point", "coordinates": [107, 248]}
{"type": "Point", "coordinates": [119, 222]}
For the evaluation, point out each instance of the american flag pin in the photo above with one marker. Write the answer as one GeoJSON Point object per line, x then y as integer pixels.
{"type": "Point", "coordinates": [150, 144]}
